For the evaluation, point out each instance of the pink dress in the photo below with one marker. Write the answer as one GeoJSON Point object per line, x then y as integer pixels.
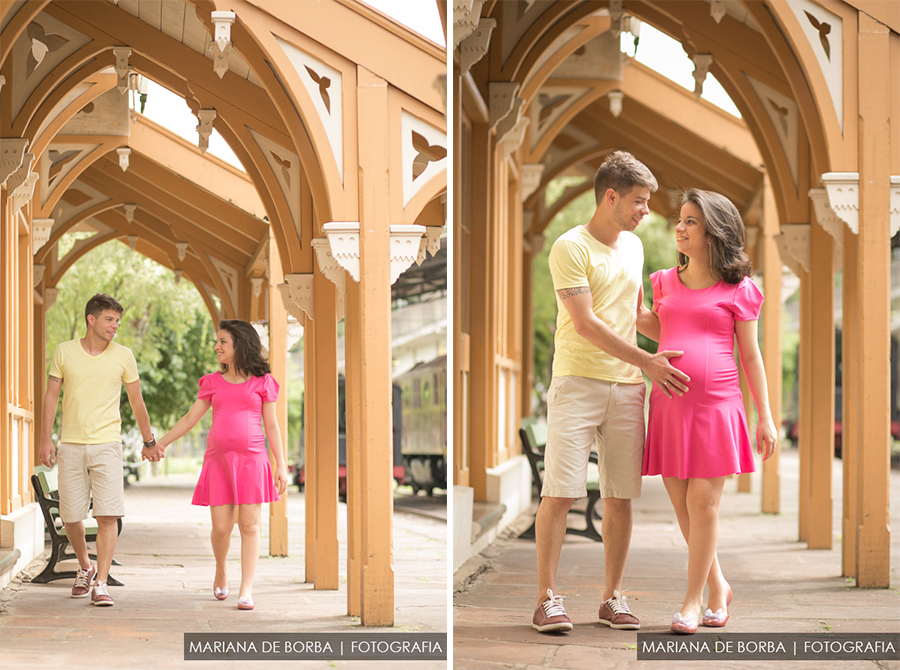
{"type": "Point", "coordinates": [236, 468]}
{"type": "Point", "coordinates": [703, 433]}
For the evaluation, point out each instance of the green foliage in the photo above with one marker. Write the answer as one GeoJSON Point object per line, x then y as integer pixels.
{"type": "Point", "coordinates": [167, 326]}
{"type": "Point", "coordinates": [659, 253]}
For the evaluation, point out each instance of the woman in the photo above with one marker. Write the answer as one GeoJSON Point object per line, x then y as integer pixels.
{"type": "Point", "coordinates": [695, 440]}
{"type": "Point", "coordinates": [236, 470]}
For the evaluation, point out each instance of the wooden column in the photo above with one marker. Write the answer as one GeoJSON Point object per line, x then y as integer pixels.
{"type": "Point", "coordinates": [531, 248]}
{"type": "Point", "coordinates": [325, 465]}
{"type": "Point", "coordinates": [821, 374]}
{"type": "Point", "coordinates": [352, 365]}
{"type": "Point", "coordinates": [771, 341]}
{"type": "Point", "coordinates": [850, 409]}
{"type": "Point", "coordinates": [804, 407]}
{"type": "Point", "coordinates": [40, 365]}
{"type": "Point", "coordinates": [278, 522]}
{"type": "Point", "coordinates": [482, 377]}
{"type": "Point", "coordinates": [309, 451]}
{"type": "Point", "coordinates": [875, 151]}
{"type": "Point", "coordinates": [744, 480]}
{"type": "Point", "coordinates": [376, 463]}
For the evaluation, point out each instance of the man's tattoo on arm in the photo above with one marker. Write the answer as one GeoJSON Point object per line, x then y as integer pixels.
{"type": "Point", "coordinates": [564, 293]}
{"type": "Point", "coordinates": [55, 379]}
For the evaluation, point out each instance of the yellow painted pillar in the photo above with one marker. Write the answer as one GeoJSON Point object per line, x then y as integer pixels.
{"type": "Point", "coordinates": [277, 318]}
{"type": "Point", "coordinates": [482, 252]}
{"type": "Point", "coordinates": [376, 463]}
{"type": "Point", "coordinates": [850, 409]}
{"type": "Point", "coordinates": [771, 341]}
{"type": "Point", "coordinates": [325, 465]}
{"type": "Point", "coordinates": [309, 451]}
{"type": "Point", "coordinates": [527, 324]}
{"type": "Point", "coordinates": [821, 373]}
{"type": "Point", "coordinates": [352, 347]}
{"type": "Point", "coordinates": [804, 406]}
{"type": "Point", "coordinates": [40, 365]}
{"type": "Point", "coordinates": [875, 151]}
{"type": "Point", "coordinates": [744, 482]}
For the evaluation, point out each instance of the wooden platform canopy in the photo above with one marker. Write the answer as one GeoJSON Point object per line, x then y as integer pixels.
{"type": "Point", "coordinates": [342, 137]}
{"type": "Point", "coordinates": [542, 89]}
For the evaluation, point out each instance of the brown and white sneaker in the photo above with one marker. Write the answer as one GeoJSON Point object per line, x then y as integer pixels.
{"type": "Point", "coordinates": [616, 614]}
{"type": "Point", "coordinates": [83, 579]}
{"type": "Point", "coordinates": [550, 615]}
{"type": "Point", "coordinates": [100, 595]}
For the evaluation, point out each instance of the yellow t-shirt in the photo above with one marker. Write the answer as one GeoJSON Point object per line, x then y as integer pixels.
{"type": "Point", "coordinates": [92, 389]}
{"type": "Point", "coordinates": [577, 259]}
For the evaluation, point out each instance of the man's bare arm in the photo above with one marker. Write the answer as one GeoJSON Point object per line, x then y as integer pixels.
{"type": "Point", "coordinates": [48, 414]}
{"type": "Point", "coordinates": [579, 305]}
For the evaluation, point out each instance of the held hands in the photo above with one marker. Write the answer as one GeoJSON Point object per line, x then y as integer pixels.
{"type": "Point", "coordinates": [667, 377]}
{"type": "Point", "coordinates": [281, 479]}
{"type": "Point", "coordinates": [766, 438]}
{"type": "Point", "coordinates": [154, 453]}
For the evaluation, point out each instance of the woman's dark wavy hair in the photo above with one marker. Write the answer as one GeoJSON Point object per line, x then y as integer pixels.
{"type": "Point", "coordinates": [725, 230]}
{"type": "Point", "coordinates": [248, 358]}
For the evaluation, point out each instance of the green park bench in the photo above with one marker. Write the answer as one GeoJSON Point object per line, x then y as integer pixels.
{"type": "Point", "coordinates": [534, 439]}
{"type": "Point", "coordinates": [46, 490]}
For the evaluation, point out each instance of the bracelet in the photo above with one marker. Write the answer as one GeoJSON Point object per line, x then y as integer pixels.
{"type": "Point", "coordinates": [150, 443]}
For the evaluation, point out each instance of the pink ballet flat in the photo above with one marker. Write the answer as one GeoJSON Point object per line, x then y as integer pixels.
{"type": "Point", "coordinates": [718, 618]}
{"type": "Point", "coordinates": [222, 593]}
{"type": "Point", "coordinates": [686, 625]}
{"type": "Point", "coordinates": [715, 619]}
{"type": "Point", "coordinates": [245, 603]}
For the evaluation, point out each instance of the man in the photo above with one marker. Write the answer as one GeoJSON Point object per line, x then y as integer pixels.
{"type": "Point", "coordinates": [597, 391]}
{"type": "Point", "coordinates": [90, 450]}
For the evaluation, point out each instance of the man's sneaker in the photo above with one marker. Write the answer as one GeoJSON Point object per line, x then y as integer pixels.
{"type": "Point", "coordinates": [550, 615]}
{"type": "Point", "coordinates": [100, 595]}
{"type": "Point", "coordinates": [615, 613]}
{"type": "Point", "coordinates": [83, 579]}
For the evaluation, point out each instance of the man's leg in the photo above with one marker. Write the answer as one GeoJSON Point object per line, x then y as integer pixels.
{"type": "Point", "coordinates": [107, 534]}
{"type": "Point", "coordinates": [75, 535]}
{"type": "Point", "coordinates": [550, 530]}
{"type": "Point", "coordinates": [616, 531]}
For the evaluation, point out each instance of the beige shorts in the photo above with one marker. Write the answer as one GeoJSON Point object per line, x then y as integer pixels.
{"type": "Point", "coordinates": [582, 411]}
{"type": "Point", "coordinates": [90, 470]}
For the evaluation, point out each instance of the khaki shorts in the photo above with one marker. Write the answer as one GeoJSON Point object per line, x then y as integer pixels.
{"type": "Point", "coordinates": [87, 470]}
{"type": "Point", "coordinates": [582, 411]}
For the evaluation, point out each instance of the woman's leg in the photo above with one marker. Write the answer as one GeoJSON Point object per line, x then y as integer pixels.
{"type": "Point", "coordinates": [248, 522]}
{"type": "Point", "coordinates": [703, 496]}
{"type": "Point", "coordinates": [222, 525]}
{"type": "Point", "coordinates": [718, 587]}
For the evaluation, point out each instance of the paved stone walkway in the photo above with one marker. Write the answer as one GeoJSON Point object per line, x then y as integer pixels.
{"type": "Point", "coordinates": [779, 586]}
{"type": "Point", "coordinates": [167, 567]}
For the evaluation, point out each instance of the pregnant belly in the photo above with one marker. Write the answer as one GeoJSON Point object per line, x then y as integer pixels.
{"type": "Point", "coordinates": [236, 440]}
{"type": "Point", "coordinates": [714, 375]}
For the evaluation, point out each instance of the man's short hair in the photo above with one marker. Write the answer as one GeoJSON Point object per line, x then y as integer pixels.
{"type": "Point", "coordinates": [622, 172]}
{"type": "Point", "coordinates": [100, 302]}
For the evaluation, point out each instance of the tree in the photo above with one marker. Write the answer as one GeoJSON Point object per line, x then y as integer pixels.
{"type": "Point", "coordinates": [165, 324]}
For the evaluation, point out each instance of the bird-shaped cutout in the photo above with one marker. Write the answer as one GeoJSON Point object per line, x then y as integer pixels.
{"type": "Point", "coordinates": [323, 84]}
{"type": "Point", "coordinates": [41, 45]}
{"type": "Point", "coordinates": [58, 161]}
{"type": "Point", "coordinates": [285, 167]}
{"type": "Point", "coordinates": [824, 29]}
{"type": "Point", "coordinates": [426, 153]}
{"type": "Point", "coordinates": [549, 104]}
{"type": "Point", "coordinates": [783, 112]}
